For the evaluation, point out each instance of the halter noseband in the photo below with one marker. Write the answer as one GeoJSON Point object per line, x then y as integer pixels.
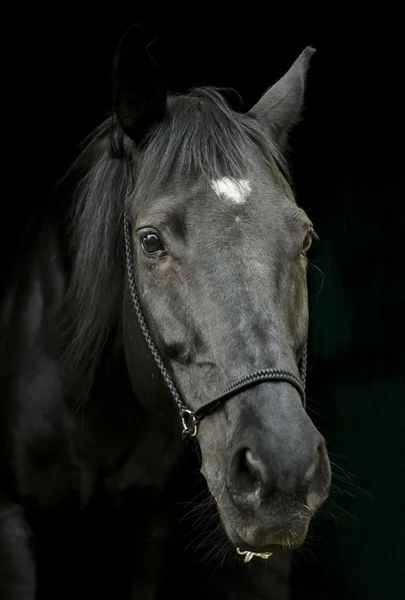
{"type": "Point", "coordinates": [190, 419]}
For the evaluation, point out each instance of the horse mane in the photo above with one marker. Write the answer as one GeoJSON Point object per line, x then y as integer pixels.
{"type": "Point", "coordinates": [200, 135]}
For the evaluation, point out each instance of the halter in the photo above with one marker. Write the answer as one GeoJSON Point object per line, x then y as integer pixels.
{"type": "Point", "coordinates": [190, 419]}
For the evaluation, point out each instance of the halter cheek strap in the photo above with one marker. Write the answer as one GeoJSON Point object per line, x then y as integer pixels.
{"type": "Point", "coordinates": [190, 419]}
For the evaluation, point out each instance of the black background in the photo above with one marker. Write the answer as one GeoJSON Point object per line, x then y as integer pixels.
{"type": "Point", "coordinates": [347, 163]}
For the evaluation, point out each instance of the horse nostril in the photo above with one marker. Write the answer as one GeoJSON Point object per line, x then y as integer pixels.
{"type": "Point", "coordinates": [249, 474]}
{"type": "Point", "coordinates": [245, 472]}
{"type": "Point", "coordinates": [255, 474]}
{"type": "Point", "coordinates": [253, 466]}
{"type": "Point", "coordinates": [318, 488]}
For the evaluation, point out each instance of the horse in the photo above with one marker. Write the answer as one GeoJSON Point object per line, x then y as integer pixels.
{"type": "Point", "coordinates": [153, 355]}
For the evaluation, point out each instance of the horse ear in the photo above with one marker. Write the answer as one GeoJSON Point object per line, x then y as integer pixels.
{"type": "Point", "coordinates": [280, 107]}
{"type": "Point", "coordinates": [138, 86]}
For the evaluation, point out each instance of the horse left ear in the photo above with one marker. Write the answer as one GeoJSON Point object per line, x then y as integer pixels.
{"type": "Point", "coordinates": [280, 107]}
{"type": "Point", "coordinates": [138, 86]}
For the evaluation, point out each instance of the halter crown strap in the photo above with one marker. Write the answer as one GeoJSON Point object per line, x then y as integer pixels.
{"type": "Point", "coordinates": [189, 418]}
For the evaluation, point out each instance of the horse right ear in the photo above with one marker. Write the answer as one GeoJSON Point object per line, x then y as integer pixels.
{"type": "Point", "coordinates": [139, 90]}
{"type": "Point", "coordinates": [281, 106]}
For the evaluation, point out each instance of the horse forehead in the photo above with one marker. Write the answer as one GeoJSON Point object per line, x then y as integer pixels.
{"type": "Point", "coordinates": [231, 189]}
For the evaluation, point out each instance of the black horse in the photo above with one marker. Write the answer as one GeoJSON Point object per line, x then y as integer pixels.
{"type": "Point", "coordinates": [163, 299]}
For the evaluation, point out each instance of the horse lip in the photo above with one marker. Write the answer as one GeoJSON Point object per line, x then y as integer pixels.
{"type": "Point", "coordinates": [240, 543]}
{"type": "Point", "coordinates": [272, 548]}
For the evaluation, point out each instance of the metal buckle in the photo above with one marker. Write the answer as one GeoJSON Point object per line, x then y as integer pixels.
{"type": "Point", "coordinates": [249, 555]}
{"type": "Point", "coordinates": [189, 429]}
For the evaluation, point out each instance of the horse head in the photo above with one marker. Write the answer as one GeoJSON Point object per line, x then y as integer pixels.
{"type": "Point", "coordinates": [218, 251]}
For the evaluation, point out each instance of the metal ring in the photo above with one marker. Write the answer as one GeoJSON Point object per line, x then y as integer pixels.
{"type": "Point", "coordinates": [192, 431]}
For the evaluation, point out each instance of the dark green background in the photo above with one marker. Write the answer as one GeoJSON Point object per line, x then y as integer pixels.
{"type": "Point", "coordinates": [348, 165]}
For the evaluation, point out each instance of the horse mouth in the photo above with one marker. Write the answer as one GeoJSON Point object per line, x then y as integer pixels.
{"type": "Point", "coordinates": [265, 540]}
{"type": "Point", "coordinates": [274, 544]}
{"type": "Point", "coordinates": [270, 548]}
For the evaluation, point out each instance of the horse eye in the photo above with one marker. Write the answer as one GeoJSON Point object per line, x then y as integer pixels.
{"type": "Point", "coordinates": [152, 245]}
{"type": "Point", "coordinates": [307, 242]}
